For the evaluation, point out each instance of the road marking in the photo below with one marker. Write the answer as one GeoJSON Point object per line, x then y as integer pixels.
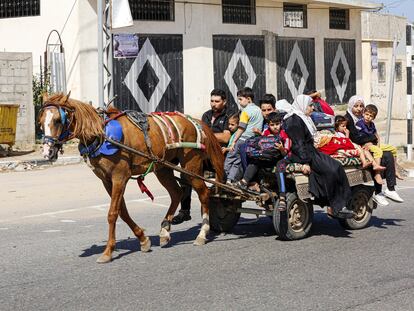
{"type": "Point", "coordinates": [100, 207]}
{"type": "Point", "coordinates": [51, 231]}
{"type": "Point", "coordinates": [67, 220]}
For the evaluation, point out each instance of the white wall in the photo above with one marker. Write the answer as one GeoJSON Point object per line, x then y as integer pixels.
{"type": "Point", "coordinates": [29, 34]}
{"type": "Point", "coordinates": [196, 22]}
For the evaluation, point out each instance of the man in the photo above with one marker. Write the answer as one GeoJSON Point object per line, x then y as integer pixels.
{"type": "Point", "coordinates": [217, 118]}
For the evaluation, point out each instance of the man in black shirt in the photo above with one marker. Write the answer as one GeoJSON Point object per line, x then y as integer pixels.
{"type": "Point", "coordinates": [217, 119]}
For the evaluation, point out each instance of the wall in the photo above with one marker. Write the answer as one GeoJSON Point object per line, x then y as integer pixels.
{"type": "Point", "coordinates": [16, 88]}
{"type": "Point", "coordinates": [76, 22]}
{"type": "Point", "coordinates": [381, 29]}
{"type": "Point", "coordinates": [198, 23]}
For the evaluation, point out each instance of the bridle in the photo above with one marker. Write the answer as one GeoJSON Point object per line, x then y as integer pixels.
{"type": "Point", "coordinates": [66, 118]}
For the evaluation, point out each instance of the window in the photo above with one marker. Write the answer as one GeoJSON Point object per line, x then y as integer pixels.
{"type": "Point", "coordinates": [239, 11]}
{"type": "Point", "coordinates": [338, 19]}
{"type": "Point", "coordinates": [152, 10]}
{"type": "Point", "coordinates": [19, 8]}
{"type": "Point", "coordinates": [381, 72]}
{"type": "Point", "coordinates": [398, 71]}
{"type": "Point", "coordinates": [295, 15]}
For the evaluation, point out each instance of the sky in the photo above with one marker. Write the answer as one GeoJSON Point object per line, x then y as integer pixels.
{"type": "Point", "coordinates": [398, 7]}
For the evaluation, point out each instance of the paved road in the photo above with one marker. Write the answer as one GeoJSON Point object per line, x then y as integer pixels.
{"type": "Point", "coordinates": [53, 228]}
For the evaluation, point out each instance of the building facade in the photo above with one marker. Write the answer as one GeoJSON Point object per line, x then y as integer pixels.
{"type": "Point", "coordinates": [177, 51]}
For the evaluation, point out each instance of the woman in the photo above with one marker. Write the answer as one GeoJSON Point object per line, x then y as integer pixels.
{"type": "Point", "coordinates": [327, 178]}
{"type": "Point", "coordinates": [355, 110]}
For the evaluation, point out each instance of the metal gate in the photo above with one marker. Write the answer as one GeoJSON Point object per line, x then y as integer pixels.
{"type": "Point", "coordinates": [295, 58]}
{"type": "Point", "coordinates": [148, 77]}
{"type": "Point", "coordinates": [340, 70]}
{"type": "Point", "coordinates": [239, 61]}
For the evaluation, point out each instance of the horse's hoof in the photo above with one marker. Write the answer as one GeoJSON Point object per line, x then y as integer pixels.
{"type": "Point", "coordinates": [146, 245]}
{"type": "Point", "coordinates": [164, 241]}
{"type": "Point", "coordinates": [199, 241]}
{"type": "Point", "coordinates": [104, 259]}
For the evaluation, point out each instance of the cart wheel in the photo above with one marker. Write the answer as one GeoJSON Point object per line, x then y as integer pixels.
{"type": "Point", "coordinates": [296, 222]}
{"type": "Point", "coordinates": [362, 204]}
{"type": "Point", "coordinates": [222, 214]}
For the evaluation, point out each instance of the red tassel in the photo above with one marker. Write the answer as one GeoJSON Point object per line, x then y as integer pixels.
{"type": "Point", "coordinates": [143, 188]}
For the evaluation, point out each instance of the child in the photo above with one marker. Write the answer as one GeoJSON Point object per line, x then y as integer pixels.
{"type": "Point", "coordinates": [250, 117]}
{"type": "Point", "coordinates": [233, 125]}
{"type": "Point", "coordinates": [274, 122]}
{"type": "Point", "coordinates": [365, 156]}
{"type": "Point", "coordinates": [367, 127]}
{"type": "Point", "coordinates": [267, 106]}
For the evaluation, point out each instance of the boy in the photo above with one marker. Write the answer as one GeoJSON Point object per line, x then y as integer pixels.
{"type": "Point", "coordinates": [233, 125]}
{"type": "Point", "coordinates": [250, 117]}
{"type": "Point", "coordinates": [274, 122]}
{"type": "Point", "coordinates": [367, 127]}
{"type": "Point", "coordinates": [267, 106]}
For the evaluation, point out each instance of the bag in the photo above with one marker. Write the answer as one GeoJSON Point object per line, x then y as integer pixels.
{"type": "Point", "coordinates": [323, 120]}
{"type": "Point", "coordinates": [263, 148]}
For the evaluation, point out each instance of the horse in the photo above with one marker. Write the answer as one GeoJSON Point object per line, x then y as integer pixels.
{"type": "Point", "coordinates": [63, 118]}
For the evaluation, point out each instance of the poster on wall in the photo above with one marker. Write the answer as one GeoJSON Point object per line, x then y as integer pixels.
{"type": "Point", "coordinates": [239, 61]}
{"type": "Point", "coordinates": [295, 58]}
{"type": "Point", "coordinates": [374, 55]}
{"type": "Point", "coordinates": [153, 79]}
{"type": "Point", "coordinates": [125, 45]}
{"type": "Point", "coordinates": [340, 70]}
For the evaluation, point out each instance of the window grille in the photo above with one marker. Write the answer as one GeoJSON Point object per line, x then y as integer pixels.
{"type": "Point", "coordinates": [339, 19]}
{"type": "Point", "coordinates": [19, 8]}
{"type": "Point", "coordinates": [153, 10]}
{"type": "Point", "coordinates": [381, 72]}
{"type": "Point", "coordinates": [295, 15]}
{"type": "Point", "coordinates": [239, 12]}
{"type": "Point", "coordinates": [398, 71]}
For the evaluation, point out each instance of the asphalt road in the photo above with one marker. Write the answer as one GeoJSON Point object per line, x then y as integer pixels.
{"type": "Point", "coordinates": [53, 228]}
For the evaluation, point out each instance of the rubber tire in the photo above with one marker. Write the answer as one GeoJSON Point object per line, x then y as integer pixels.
{"type": "Point", "coordinates": [222, 214]}
{"type": "Point", "coordinates": [359, 193]}
{"type": "Point", "coordinates": [281, 219]}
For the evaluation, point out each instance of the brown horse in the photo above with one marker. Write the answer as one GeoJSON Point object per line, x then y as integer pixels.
{"type": "Point", "coordinates": [62, 119]}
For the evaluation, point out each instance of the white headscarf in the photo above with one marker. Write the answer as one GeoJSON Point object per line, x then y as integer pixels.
{"type": "Point", "coordinates": [283, 105]}
{"type": "Point", "coordinates": [299, 107]}
{"type": "Point", "coordinates": [351, 103]}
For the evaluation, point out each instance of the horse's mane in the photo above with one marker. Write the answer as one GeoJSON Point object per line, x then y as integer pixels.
{"type": "Point", "coordinates": [87, 124]}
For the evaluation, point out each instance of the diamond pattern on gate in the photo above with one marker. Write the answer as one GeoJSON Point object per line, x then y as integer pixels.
{"type": "Point", "coordinates": [340, 87]}
{"type": "Point", "coordinates": [147, 54]}
{"type": "Point", "coordinates": [239, 54]}
{"type": "Point", "coordinates": [296, 55]}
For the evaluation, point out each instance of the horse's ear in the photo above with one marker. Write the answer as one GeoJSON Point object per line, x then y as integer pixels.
{"type": "Point", "coordinates": [45, 96]}
{"type": "Point", "coordinates": [66, 98]}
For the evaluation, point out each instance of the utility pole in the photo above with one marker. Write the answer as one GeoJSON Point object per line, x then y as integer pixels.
{"type": "Point", "coordinates": [391, 91]}
{"type": "Point", "coordinates": [409, 54]}
{"type": "Point", "coordinates": [100, 55]}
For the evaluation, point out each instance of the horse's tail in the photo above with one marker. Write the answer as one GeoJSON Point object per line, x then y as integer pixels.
{"type": "Point", "coordinates": [213, 150]}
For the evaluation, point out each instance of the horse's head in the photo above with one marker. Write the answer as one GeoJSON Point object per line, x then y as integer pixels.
{"type": "Point", "coordinates": [54, 121]}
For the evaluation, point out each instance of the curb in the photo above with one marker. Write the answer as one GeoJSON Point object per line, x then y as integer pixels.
{"type": "Point", "coordinates": [23, 165]}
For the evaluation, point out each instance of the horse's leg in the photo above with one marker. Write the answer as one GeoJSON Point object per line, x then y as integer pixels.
{"type": "Point", "coordinates": [117, 193]}
{"type": "Point", "coordinates": [195, 164]}
{"type": "Point", "coordinates": [139, 232]}
{"type": "Point", "coordinates": [167, 179]}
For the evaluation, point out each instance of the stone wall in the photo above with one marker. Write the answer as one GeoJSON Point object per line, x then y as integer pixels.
{"type": "Point", "coordinates": [16, 77]}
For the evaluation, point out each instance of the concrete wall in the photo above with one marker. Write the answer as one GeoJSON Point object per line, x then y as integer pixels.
{"type": "Point", "coordinates": [16, 88]}
{"type": "Point", "coordinates": [77, 23]}
{"type": "Point", "coordinates": [381, 29]}
{"type": "Point", "coordinates": [198, 23]}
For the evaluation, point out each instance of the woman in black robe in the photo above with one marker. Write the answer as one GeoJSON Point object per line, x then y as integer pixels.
{"type": "Point", "coordinates": [355, 110]}
{"type": "Point", "coordinates": [327, 178]}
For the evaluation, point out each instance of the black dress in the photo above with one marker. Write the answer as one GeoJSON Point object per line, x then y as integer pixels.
{"type": "Point", "coordinates": [327, 180]}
